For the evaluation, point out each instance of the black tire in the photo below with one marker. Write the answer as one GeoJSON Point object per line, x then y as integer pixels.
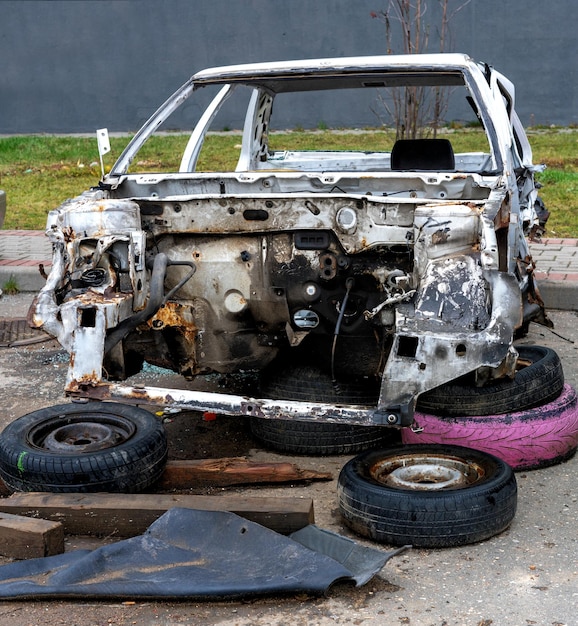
{"type": "Point", "coordinates": [318, 438]}
{"type": "Point", "coordinates": [311, 384]}
{"type": "Point", "coordinates": [539, 380]}
{"type": "Point", "coordinates": [84, 448]}
{"type": "Point", "coordinates": [398, 495]}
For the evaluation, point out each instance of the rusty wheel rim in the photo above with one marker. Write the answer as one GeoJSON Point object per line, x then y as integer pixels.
{"type": "Point", "coordinates": [81, 434]}
{"type": "Point", "coordinates": [426, 472]}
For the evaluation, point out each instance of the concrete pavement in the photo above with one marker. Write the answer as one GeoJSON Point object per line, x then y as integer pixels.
{"type": "Point", "coordinates": [23, 251]}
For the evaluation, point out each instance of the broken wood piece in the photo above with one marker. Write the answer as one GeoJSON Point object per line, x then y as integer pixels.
{"type": "Point", "coordinates": [232, 471]}
{"type": "Point", "coordinates": [223, 473]}
{"type": "Point", "coordinates": [128, 515]}
{"type": "Point", "coordinates": [27, 538]}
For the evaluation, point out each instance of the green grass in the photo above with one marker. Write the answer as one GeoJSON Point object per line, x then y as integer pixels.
{"type": "Point", "coordinates": [39, 172]}
{"type": "Point", "coordinates": [10, 287]}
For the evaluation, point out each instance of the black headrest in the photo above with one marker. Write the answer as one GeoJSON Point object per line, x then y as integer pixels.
{"type": "Point", "coordinates": [422, 154]}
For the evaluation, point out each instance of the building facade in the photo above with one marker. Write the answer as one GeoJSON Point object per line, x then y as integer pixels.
{"type": "Point", "coordinates": [72, 67]}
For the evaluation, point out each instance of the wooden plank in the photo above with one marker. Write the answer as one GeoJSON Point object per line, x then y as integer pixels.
{"type": "Point", "coordinates": [232, 471]}
{"type": "Point", "coordinates": [26, 538]}
{"type": "Point", "coordinates": [128, 515]}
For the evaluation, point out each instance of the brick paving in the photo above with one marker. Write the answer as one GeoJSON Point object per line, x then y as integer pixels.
{"type": "Point", "coordinates": [556, 259]}
{"type": "Point", "coordinates": [24, 248]}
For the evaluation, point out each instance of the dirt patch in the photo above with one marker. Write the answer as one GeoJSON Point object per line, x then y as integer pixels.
{"type": "Point", "coordinates": [192, 437]}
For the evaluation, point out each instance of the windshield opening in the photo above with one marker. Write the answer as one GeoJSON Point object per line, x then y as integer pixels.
{"type": "Point", "coordinates": [302, 129]}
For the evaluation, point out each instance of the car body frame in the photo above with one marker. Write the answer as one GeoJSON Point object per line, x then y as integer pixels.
{"type": "Point", "coordinates": [408, 267]}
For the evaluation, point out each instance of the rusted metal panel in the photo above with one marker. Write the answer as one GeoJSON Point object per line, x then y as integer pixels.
{"type": "Point", "coordinates": [235, 405]}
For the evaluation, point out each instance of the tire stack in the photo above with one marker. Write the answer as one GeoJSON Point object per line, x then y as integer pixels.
{"type": "Point", "coordinates": [530, 422]}
{"type": "Point", "coordinates": [452, 481]}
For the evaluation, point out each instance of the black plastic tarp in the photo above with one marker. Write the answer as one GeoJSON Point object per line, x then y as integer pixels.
{"type": "Point", "coordinates": [191, 554]}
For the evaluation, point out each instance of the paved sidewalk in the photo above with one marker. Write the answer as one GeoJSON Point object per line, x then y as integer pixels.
{"type": "Point", "coordinates": [556, 271]}
{"type": "Point", "coordinates": [22, 251]}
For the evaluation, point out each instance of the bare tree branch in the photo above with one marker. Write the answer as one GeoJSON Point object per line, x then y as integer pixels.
{"type": "Point", "coordinates": [416, 111]}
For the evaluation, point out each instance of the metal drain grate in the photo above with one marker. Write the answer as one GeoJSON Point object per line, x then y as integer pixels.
{"type": "Point", "coordinates": [16, 332]}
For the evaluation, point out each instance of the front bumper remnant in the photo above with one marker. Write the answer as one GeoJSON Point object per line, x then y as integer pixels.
{"type": "Point", "coordinates": [229, 404]}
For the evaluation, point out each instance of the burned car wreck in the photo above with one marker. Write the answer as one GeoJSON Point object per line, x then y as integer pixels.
{"type": "Point", "coordinates": [405, 267]}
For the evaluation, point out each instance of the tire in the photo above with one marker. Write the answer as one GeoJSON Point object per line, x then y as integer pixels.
{"type": "Point", "coordinates": [530, 439]}
{"type": "Point", "coordinates": [427, 496]}
{"type": "Point", "coordinates": [539, 380]}
{"type": "Point", "coordinates": [312, 384]}
{"type": "Point", "coordinates": [84, 448]}
{"type": "Point", "coordinates": [318, 438]}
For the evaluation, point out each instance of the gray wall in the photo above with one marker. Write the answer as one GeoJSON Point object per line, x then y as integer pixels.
{"type": "Point", "coordinates": [74, 66]}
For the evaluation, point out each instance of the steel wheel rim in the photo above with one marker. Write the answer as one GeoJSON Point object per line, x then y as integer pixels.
{"type": "Point", "coordinates": [426, 472]}
{"type": "Point", "coordinates": [80, 434]}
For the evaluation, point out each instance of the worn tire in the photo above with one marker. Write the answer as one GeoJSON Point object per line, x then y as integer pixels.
{"type": "Point", "coordinates": [376, 503]}
{"type": "Point", "coordinates": [305, 383]}
{"type": "Point", "coordinates": [540, 381]}
{"type": "Point", "coordinates": [318, 438]}
{"type": "Point", "coordinates": [84, 448]}
{"type": "Point", "coordinates": [530, 439]}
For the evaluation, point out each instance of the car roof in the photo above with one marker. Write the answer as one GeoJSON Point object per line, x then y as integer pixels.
{"type": "Point", "coordinates": [361, 71]}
